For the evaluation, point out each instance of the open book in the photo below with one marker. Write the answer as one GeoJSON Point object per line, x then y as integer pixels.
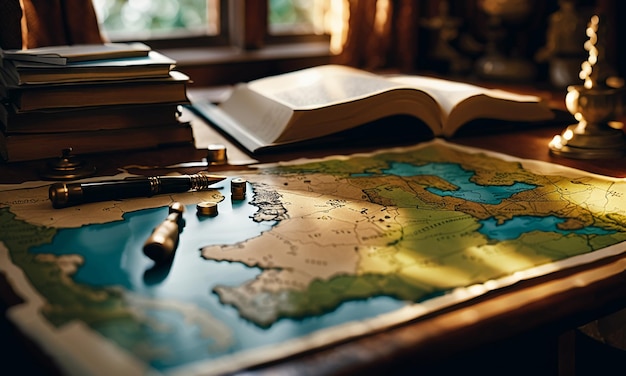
{"type": "Point", "coordinates": [325, 100]}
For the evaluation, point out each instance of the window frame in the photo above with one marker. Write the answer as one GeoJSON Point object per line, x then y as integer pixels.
{"type": "Point", "coordinates": [243, 49]}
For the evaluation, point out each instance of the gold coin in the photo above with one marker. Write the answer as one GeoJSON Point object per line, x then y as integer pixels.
{"type": "Point", "coordinates": [216, 154]}
{"type": "Point", "coordinates": [207, 208]}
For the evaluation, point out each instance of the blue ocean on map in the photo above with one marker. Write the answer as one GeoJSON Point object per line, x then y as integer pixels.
{"type": "Point", "coordinates": [113, 256]}
{"type": "Point", "coordinates": [514, 227]}
{"type": "Point", "coordinates": [455, 174]}
{"type": "Point", "coordinates": [492, 194]}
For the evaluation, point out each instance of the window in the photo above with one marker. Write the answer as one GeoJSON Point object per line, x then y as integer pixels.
{"type": "Point", "coordinates": [220, 42]}
{"type": "Point", "coordinates": [180, 19]}
{"type": "Point", "coordinates": [297, 16]}
{"type": "Point", "coordinates": [157, 19]}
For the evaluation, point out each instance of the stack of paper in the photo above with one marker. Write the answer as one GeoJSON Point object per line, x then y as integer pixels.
{"type": "Point", "coordinates": [91, 98]}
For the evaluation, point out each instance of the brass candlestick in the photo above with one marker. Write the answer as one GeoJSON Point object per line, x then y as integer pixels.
{"type": "Point", "coordinates": [595, 104]}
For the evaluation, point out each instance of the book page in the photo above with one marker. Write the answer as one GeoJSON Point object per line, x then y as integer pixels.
{"type": "Point", "coordinates": [450, 93]}
{"type": "Point", "coordinates": [321, 87]}
{"type": "Point", "coordinates": [257, 117]}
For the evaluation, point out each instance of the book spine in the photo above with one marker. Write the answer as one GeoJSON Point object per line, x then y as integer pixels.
{"type": "Point", "coordinates": [25, 147]}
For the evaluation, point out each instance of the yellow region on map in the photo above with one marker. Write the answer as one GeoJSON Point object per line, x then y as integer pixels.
{"type": "Point", "coordinates": [410, 224]}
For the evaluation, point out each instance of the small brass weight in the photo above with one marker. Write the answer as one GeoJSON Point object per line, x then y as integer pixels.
{"type": "Point", "coordinates": [596, 105]}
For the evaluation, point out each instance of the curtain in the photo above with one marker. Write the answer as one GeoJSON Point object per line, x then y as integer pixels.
{"type": "Point", "coordinates": [10, 29]}
{"type": "Point", "coordinates": [380, 34]}
{"type": "Point", "coordinates": [38, 23]}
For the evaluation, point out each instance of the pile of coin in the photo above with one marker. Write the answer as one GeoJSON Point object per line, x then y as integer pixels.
{"type": "Point", "coordinates": [238, 188]}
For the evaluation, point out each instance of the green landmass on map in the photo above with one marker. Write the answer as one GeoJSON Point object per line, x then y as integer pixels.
{"type": "Point", "coordinates": [369, 232]}
{"type": "Point", "coordinates": [103, 309]}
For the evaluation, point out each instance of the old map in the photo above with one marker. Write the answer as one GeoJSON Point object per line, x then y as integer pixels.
{"type": "Point", "coordinates": [318, 250]}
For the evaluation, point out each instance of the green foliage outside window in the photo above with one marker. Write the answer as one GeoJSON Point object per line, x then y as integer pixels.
{"type": "Point", "coordinates": [290, 15]}
{"type": "Point", "coordinates": [145, 19]}
{"type": "Point", "coordinates": [153, 17]}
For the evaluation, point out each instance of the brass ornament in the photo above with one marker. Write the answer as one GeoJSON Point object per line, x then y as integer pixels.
{"type": "Point", "coordinates": [596, 104]}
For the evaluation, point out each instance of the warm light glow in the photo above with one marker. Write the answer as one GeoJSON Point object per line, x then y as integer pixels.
{"type": "Point", "coordinates": [443, 277]}
{"type": "Point", "coordinates": [24, 25]}
{"type": "Point", "coordinates": [556, 142]}
{"type": "Point", "coordinates": [568, 135]}
{"type": "Point", "coordinates": [504, 258]}
{"type": "Point", "coordinates": [590, 45]}
{"type": "Point", "coordinates": [382, 14]}
{"type": "Point", "coordinates": [307, 79]}
{"type": "Point", "coordinates": [318, 16]}
{"type": "Point", "coordinates": [585, 70]}
{"type": "Point", "coordinates": [338, 18]}
{"type": "Point", "coordinates": [213, 19]}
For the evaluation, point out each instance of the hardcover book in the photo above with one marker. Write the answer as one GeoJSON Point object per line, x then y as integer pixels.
{"type": "Point", "coordinates": [31, 146]}
{"type": "Point", "coordinates": [172, 88]}
{"type": "Point", "coordinates": [25, 73]}
{"type": "Point", "coordinates": [61, 55]}
{"type": "Point", "coordinates": [312, 103]}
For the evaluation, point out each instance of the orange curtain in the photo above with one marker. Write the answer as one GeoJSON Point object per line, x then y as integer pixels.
{"type": "Point", "coordinates": [38, 23]}
{"type": "Point", "coordinates": [381, 34]}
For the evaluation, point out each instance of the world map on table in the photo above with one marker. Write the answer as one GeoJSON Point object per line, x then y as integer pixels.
{"type": "Point", "coordinates": [317, 251]}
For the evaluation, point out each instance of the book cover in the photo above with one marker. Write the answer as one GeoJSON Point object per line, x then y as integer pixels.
{"type": "Point", "coordinates": [99, 93]}
{"type": "Point", "coordinates": [24, 147]}
{"type": "Point", "coordinates": [152, 65]}
{"type": "Point", "coordinates": [87, 118]}
{"type": "Point", "coordinates": [61, 55]}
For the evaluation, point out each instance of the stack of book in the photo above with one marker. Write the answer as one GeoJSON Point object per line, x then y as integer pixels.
{"type": "Point", "coordinates": [90, 98]}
